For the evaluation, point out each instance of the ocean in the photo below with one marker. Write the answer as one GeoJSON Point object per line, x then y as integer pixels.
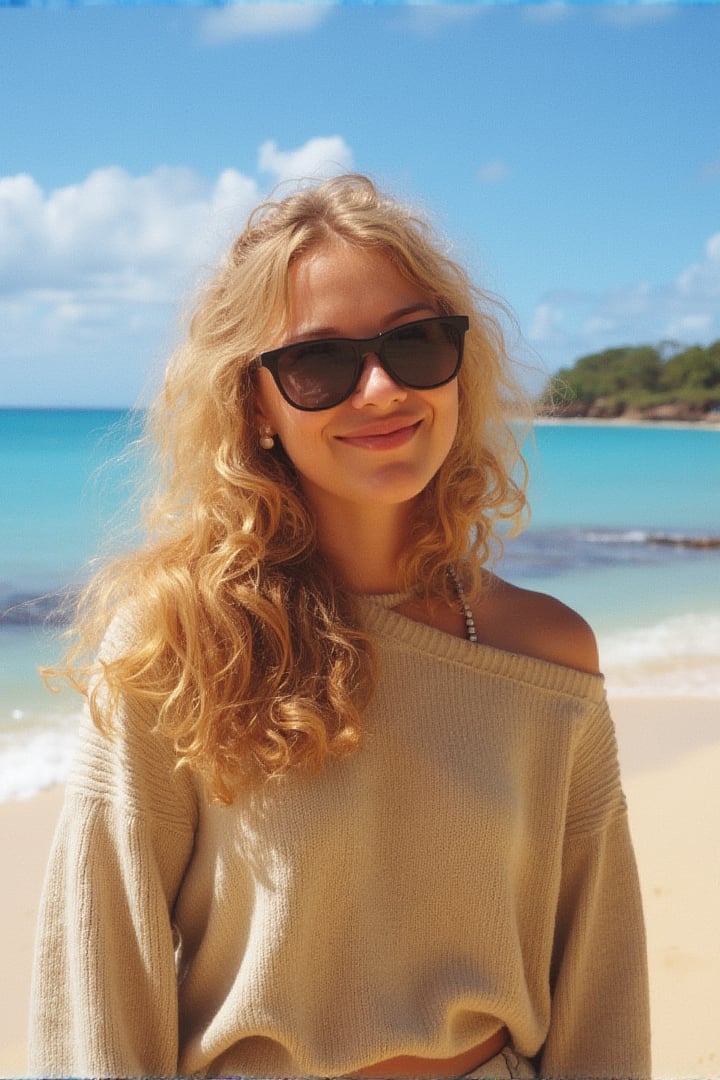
{"type": "Point", "coordinates": [618, 517]}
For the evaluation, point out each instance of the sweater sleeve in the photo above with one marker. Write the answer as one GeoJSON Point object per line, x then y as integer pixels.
{"type": "Point", "coordinates": [600, 1023]}
{"type": "Point", "coordinates": [104, 993]}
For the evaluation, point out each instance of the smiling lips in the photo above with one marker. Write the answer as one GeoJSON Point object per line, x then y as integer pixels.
{"type": "Point", "coordinates": [387, 436]}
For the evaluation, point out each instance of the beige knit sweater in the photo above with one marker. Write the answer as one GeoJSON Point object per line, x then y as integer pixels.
{"type": "Point", "coordinates": [469, 867]}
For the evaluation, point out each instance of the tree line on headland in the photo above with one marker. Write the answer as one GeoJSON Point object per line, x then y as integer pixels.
{"type": "Point", "coordinates": [643, 382]}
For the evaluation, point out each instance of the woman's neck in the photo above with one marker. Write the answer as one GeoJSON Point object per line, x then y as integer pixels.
{"type": "Point", "coordinates": [365, 544]}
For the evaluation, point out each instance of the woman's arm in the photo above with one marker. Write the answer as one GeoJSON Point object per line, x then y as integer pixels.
{"type": "Point", "coordinates": [600, 1024]}
{"type": "Point", "coordinates": [104, 995]}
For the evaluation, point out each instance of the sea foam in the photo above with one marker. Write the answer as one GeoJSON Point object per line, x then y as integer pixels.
{"type": "Point", "coordinates": [677, 657]}
{"type": "Point", "coordinates": [38, 758]}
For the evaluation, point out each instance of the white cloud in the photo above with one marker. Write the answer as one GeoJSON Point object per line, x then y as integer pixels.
{"type": "Point", "coordinates": [135, 237]}
{"type": "Point", "coordinates": [624, 14]}
{"type": "Point", "coordinates": [113, 233]}
{"type": "Point", "coordinates": [91, 273]}
{"type": "Point", "coordinates": [259, 19]}
{"type": "Point", "coordinates": [427, 17]}
{"type": "Point", "coordinates": [689, 328]}
{"type": "Point", "coordinates": [546, 323]}
{"type": "Point", "coordinates": [702, 279]}
{"type": "Point", "coordinates": [636, 13]}
{"type": "Point", "coordinates": [566, 325]}
{"type": "Point", "coordinates": [317, 158]}
{"type": "Point", "coordinates": [493, 172]}
{"type": "Point", "coordinates": [549, 12]}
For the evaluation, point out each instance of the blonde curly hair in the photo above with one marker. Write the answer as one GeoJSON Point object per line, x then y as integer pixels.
{"type": "Point", "coordinates": [243, 640]}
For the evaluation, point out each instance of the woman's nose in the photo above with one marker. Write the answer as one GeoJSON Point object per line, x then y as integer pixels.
{"type": "Point", "coordinates": [375, 386]}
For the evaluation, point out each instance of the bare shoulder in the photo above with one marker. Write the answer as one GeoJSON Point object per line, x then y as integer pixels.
{"type": "Point", "coordinates": [534, 624]}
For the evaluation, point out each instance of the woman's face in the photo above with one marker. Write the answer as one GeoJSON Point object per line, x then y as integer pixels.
{"type": "Point", "coordinates": [385, 442]}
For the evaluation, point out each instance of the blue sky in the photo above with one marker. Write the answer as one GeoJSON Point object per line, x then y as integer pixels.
{"type": "Point", "coordinates": [570, 153]}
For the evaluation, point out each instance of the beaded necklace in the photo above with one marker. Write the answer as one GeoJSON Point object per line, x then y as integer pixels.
{"type": "Point", "coordinates": [470, 630]}
{"type": "Point", "coordinates": [394, 600]}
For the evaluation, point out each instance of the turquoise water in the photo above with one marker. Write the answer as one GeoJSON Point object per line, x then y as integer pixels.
{"type": "Point", "coordinates": [60, 484]}
{"type": "Point", "coordinates": [611, 476]}
{"type": "Point", "coordinates": [600, 495]}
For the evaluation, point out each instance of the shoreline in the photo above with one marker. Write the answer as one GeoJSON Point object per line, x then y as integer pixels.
{"type": "Point", "coordinates": [626, 422]}
{"type": "Point", "coordinates": [670, 760]}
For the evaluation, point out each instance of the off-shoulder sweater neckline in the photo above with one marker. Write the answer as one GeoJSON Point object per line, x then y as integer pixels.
{"type": "Point", "coordinates": [395, 630]}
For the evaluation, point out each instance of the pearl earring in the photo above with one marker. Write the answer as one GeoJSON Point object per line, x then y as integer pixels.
{"type": "Point", "coordinates": [266, 437]}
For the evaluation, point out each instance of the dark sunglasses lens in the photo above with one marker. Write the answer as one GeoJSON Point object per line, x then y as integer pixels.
{"type": "Point", "coordinates": [423, 354]}
{"type": "Point", "coordinates": [317, 375]}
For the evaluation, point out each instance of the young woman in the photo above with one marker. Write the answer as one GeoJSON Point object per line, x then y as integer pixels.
{"type": "Point", "coordinates": [347, 803]}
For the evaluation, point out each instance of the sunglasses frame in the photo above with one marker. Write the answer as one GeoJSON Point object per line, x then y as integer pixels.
{"type": "Point", "coordinates": [361, 348]}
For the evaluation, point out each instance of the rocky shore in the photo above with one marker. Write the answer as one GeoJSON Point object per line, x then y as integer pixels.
{"type": "Point", "coordinates": [703, 543]}
{"type": "Point", "coordinates": [601, 409]}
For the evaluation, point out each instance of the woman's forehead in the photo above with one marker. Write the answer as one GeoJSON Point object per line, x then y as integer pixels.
{"type": "Point", "coordinates": [343, 290]}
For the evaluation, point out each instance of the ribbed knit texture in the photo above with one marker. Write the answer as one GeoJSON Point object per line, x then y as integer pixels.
{"type": "Point", "coordinates": [469, 866]}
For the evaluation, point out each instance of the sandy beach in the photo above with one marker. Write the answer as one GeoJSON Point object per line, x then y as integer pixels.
{"type": "Point", "coordinates": [670, 756]}
{"type": "Point", "coordinates": [26, 830]}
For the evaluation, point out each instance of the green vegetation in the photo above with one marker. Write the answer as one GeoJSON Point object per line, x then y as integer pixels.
{"type": "Point", "coordinates": [657, 381]}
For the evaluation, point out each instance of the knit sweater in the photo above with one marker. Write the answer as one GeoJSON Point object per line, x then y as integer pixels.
{"type": "Point", "coordinates": [469, 866]}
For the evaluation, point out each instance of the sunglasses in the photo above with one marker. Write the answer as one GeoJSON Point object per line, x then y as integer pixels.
{"type": "Point", "coordinates": [319, 374]}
